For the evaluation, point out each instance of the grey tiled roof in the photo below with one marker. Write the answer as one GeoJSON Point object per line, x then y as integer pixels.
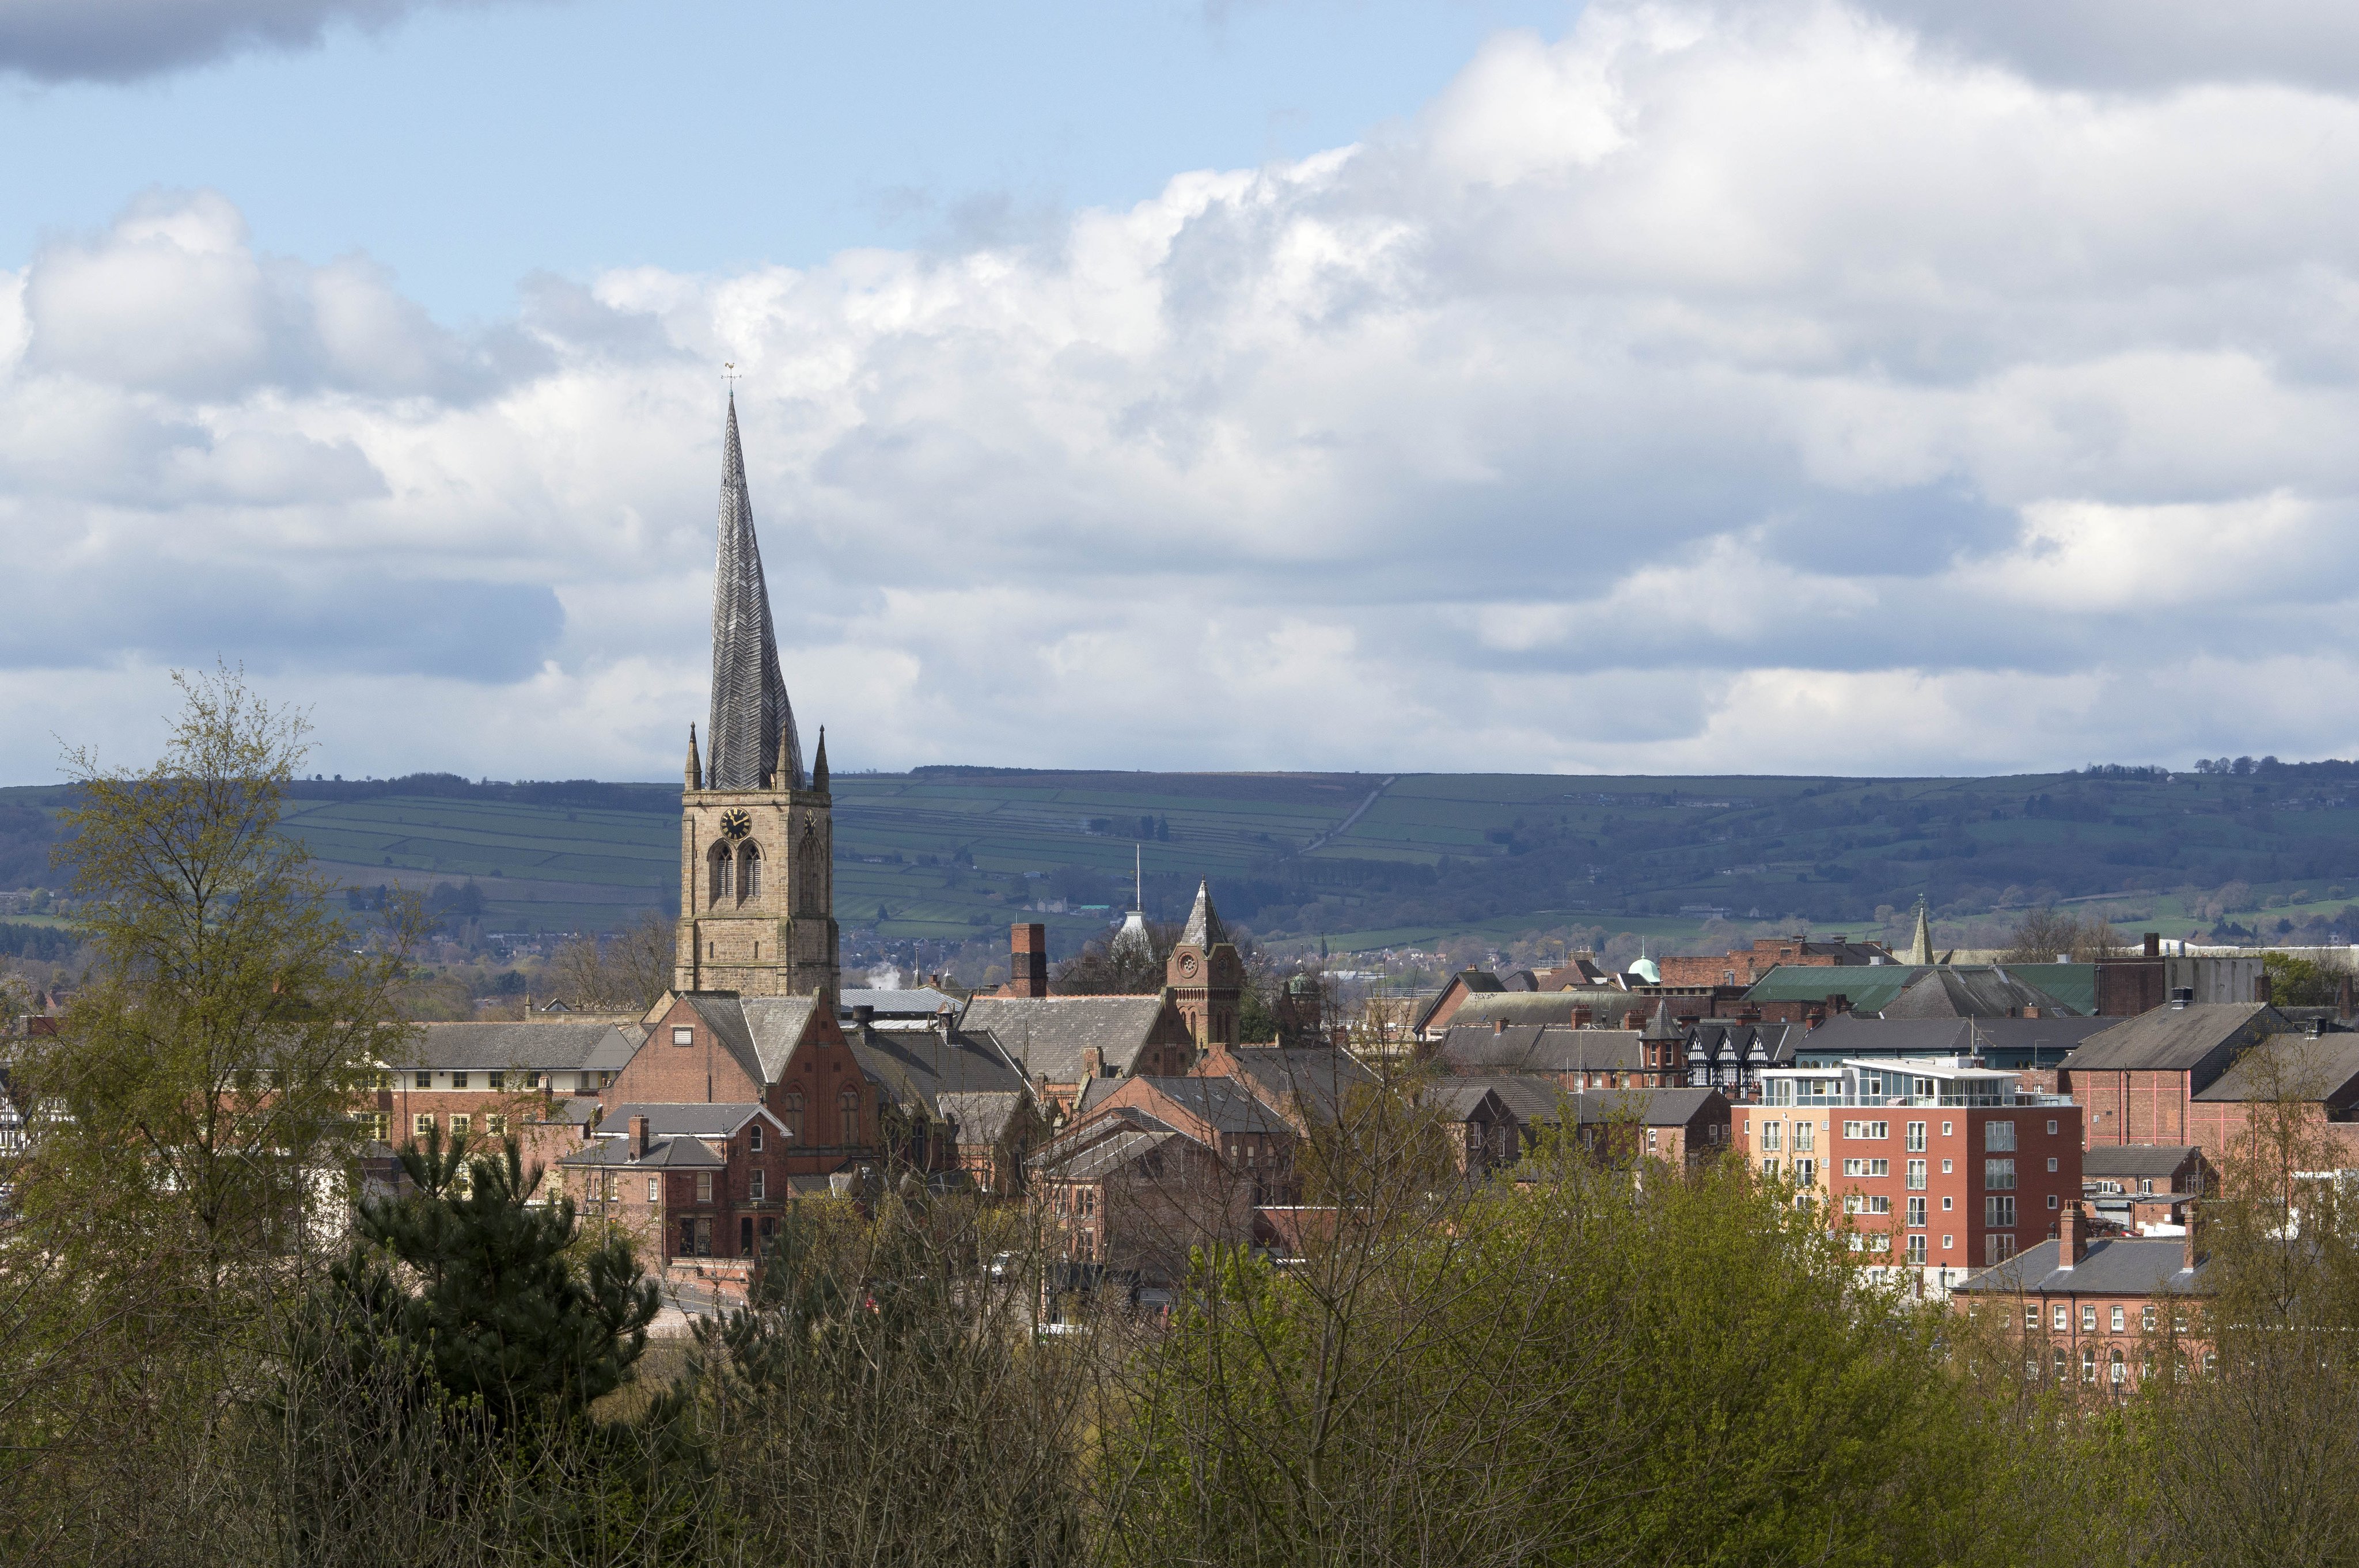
{"type": "Point", "coordinates": [2111, 1265]}
{"type": "Point", "coordinates": [1316, 1078]}
{"type": "Point", "coordinates": [2135, 1159]}
{"type": "Point", "coordinates": [1045, 1037]}
{"type": "Point", "coordinates": [1105, 1156]}
{"type": "Point", "coordinates": [916, 1067]}
{"type": "Point", "coordinates": [979, 1116]}
{"type": "Point", "coordinates": [696, 1118]}
{"type": "Point", "coordinates": [671, 1153]}
{"type": "Point", "coordinates": [1648, 1107]}
{"type": "Point", "coordinates": [1549, 1007]}
{"type": "Point", "coordinates": [1852, 1034]}
{"type": "Point", "coordinates": [1533, 1101]}
{"type": "Point", "coordinates": [1203, 928]}
{"type": "Point", "coordinates": [917, 1002]}
{"type": "Point", "coordinates": [2169, 1039]}
{"type": "Point", "coordinates": [1972, 992]}
{"type": "Point", "coordinates": [1533, 1048]}
{"type": "Point", "coordinates": [2319, 1069]}
{"type": "Point", "coordinates": [1223, 1105]}
{"type": "Point", "coordinates": [545, 1045]}
{"type": "Point", "coordinates": [613, 1053]}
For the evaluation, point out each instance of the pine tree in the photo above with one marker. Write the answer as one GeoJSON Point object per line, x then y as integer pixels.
{"type": "Point", "coordinates": [488, 1292]}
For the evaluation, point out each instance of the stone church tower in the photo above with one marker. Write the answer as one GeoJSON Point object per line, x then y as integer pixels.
{"type": "Point", "coordinates": [757, 839]}
{"type": "Point", "coordinates": [1205, 975]}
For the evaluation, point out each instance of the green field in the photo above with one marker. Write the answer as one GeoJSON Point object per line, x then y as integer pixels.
{"type": "Point", "coordinates": [1365, 861]}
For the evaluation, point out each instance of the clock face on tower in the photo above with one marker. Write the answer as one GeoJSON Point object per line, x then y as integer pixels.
{"type": "Point", "coordinates": [737, 824]}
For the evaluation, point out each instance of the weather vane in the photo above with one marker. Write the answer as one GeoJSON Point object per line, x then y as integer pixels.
{"type": "Point", "coordinates": [729, 372]}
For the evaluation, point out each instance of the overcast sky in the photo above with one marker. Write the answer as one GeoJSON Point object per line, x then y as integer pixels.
{"type": "Point", "coordinates": [1763, 387]}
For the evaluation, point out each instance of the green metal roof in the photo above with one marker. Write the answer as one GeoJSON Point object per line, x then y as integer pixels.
{"type": "Point", "coordinates": [1871, 987]}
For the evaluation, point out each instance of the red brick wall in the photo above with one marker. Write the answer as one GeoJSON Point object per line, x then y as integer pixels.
{"type": "Point", "coordinates": [1954, 1138]}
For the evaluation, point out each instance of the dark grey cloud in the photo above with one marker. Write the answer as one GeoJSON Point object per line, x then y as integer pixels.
{"type": "Point", "coordinates": [121, 40]}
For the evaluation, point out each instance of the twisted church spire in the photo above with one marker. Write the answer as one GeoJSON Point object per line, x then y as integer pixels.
{"type": "Point", "coordinates": [751, 738]}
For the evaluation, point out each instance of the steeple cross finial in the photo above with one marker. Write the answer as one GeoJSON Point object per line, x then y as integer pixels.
{"type": "Point", "coordinates": [730, 373]}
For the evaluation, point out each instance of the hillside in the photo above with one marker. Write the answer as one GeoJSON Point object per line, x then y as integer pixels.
{"type": "Point", "coordinates": [950, 854]}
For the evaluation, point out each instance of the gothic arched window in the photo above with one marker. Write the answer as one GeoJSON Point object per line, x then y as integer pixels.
{"type": "Point", "coordinates": [749, 871]}
{"type": "Point", "coordinates": [810, 874]}
{"type": "Point", "coordinates": [717, 872]}
{"type": "Point", "coordinates": [790, 1111]}
{"type": "Point", "coordinates": [847, 1108]}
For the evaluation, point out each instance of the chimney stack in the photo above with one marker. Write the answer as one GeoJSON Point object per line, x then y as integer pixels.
{"type": "Point", "coordinates": [2071, 1240]}
{"type": "Point", "coordinates": [638, 1138]}
{"type": "Point", "coordinates": [1499, 1026]}
{"type": "Point", "coordinates": [2187, 1254]}
{"type": "Point", "coordinates": [2154, 944]}
{"type": "Point", "coordinates": [1028, 960]}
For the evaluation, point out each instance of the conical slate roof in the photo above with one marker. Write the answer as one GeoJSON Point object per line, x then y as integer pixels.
{"type": "Point", "coordinates": [752, 722]}
{"type": "Point", "coordinates": [1920, 949]}
{"type": "Point", "coordinates": [1203, 928]}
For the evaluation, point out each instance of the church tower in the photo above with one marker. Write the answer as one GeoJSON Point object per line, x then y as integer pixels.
{"type": "Point", "coordinates": [1205, 975]}
{"type": "Point", "coordinates": [757, 837]}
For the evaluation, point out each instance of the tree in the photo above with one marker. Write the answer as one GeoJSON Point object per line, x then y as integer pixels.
{"type": "Point", "coordinates": [488, 1292]}
{"type": "Point", "coordinates": [200, 1099]}
{"type": "Point", "coordinates": [2046, 933]}
{"type": "Point", "coordinates": [624, 971]}
{"type": "Point", "coordinates": [1118, 968]}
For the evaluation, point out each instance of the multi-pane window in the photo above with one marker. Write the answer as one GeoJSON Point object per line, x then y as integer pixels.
{"type": "Point", "coordinates": [1999, 1137]}
{"type": "Point", "coordinates": [790, 1111]}
{"type": "Point", "coordinates": [458, 1080]}
{"type": "Point", "coordinates": [756, 1185]}
{"type": "Point", "coordinates": [1867, 1167]}
{"type": "Point", "coordinates": [754, 1137]}
{"type": "Point", "coordinates": [1772, 1134]}
{"type": "Point", "coordinates": [494, 1126]}
{"type": "Point", "coordinates": [1916, 1249]}
{"type": "Point", "coordinates": [655, 1191]}
{"type": "Point", "coordinates": [1867, 1130]}
{"type": "Point", "coordinates": [1999, 1212]}
{"type": "Point", "coordinates": [1770, 1165]}
{"type": "Point", "coordinates": [1917, 1212]}
{"type": "Point", "coordinates": [1917, 1175]}
{"type": "Point", "coordinates": [2120, 1322]}
{"type": "Point", "coordinates": [1998, 1174]}
{"type": "Point", "coordinates": [2063, 1319]}
{"type": "Point", "coordinates": [2088, 1319]}
{"type": "Point", "coordinates": [2146, 1318]}
{"type": "Point", "coordinates": [1917, 1138]}
{"type": "Point", "coordinates": [704, 1187]}
{"type": "Point", "coordinates": [2031, 1319]}
{"type": "Point", "coordinates": [496, 1080]}
{"type": "Point", "coordinates": [460, 1124]}
{"type": "Point", "coordinates": [425, 1080]}
{"type": "Point", "coordinates": [421, 1124]}
{"type": "Point", "coordinates": [1805, 1136]}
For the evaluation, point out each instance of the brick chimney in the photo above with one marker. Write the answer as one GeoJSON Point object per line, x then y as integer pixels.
{"type": "Point", "coordinates": [2154, 944]}
{"type": "Point", "coordinates": [1499, 1026]}
{"type": "Point", "coordinates": [638, 1137]}
{"type": "Point", "coordinates": [2188, 1256]}
{"type": "Point", "coordinates": [2072, 1238]}
{"type": "Point", "coordinates": [1028, 960]}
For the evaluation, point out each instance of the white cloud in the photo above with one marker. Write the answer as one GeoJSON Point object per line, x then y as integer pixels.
{"type": "Point", "coordinates": [1767, 387]}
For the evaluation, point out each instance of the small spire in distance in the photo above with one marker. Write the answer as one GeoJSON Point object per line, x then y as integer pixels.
{"type": "Point", "coordinates": [1203, 928]}
{"type": "Point", "coordinates": [695, 773]}
{"type": "Point", "coordinates": [819, 762]}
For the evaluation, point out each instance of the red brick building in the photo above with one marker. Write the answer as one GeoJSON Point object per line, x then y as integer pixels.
{"type": "Point", "coordinates": [2137, 1081]}
{"type": "Point", "coordinates": [2095, 1314]}
{"type": "Point", "coordinates": [1741, 969]}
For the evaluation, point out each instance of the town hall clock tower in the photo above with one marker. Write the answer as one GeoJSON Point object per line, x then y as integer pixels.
{"type": "Point", "coordinates": [756, 836]}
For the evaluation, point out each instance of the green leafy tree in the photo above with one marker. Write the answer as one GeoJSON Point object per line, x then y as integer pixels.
{"type": "Point", "coordinates": [466, 1270]}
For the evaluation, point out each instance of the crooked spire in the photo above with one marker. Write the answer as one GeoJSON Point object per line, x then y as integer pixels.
{"type": "Point", "coordinates": [751, 737]}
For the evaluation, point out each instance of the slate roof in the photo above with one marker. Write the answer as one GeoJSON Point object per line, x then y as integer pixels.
{"type": "Point", "coordinates": [2166, 1038]}
{"type": "Point", "coordinates": [1045, 1037]}
{"type": "Point", "coordinates": [2118, 1160]}
{"type": "Point", "coordinates": [1533, 1048]}
{"type": "Point", "coordinates": [1223, 1105]}
{"type": "Point", "coordinates": [1105, 1156]}
{"type": "Point", "coordinates": [694, 1118]}
{"type": "Point", "coordinates": [981, 1116]}
{"type": "Point", "coordinates": [918, 1066]}
{"type": "Point", "coordinates": [1854, 1035]}
{"type": "Point", "coordinates": [1649, 1108]}
{"type": "Point", "coordinates": [546, 1044]}
{"type": "Point", "coordinates": [775, 1025]}
{"type": "Point", "coordinates": [1317, 1079]}
{"type": "Point", "coordinates": [2111, 1265]}
{"type": "Point", "coordinates": [1871, 987]}
{"type": "Point", "coordinates": [613, 1053]}
{"type": "Point", "coordinates": [1978, 991]}
{"type": "Point", "coordinates": [1531, 1102]}
{"type": "Point", "coordinates": [2321, 1069]}
{"type": "Point", "coordinates": [672, 1153]}
{"type": "Point", "coordinates": [1544, 1007]}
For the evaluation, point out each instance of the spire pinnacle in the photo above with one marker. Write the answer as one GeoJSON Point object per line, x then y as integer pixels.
{"type": "Point", "coordinates": [819, 763]}
{"type": "Point", "coordinates": [1920, 948]}
{"type": "Point", "coordinates": [694, 777]}
{"type": "Point", "coordinates": [1203, 928]}
{"type": "Point", "coordinates": [752, 722]}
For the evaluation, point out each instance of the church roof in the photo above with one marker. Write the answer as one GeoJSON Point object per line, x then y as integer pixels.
{"type": "Point", "coordinates": [1045, 1037]}
{"type": "Point", "coordinates": [1203, 928]}
{"type": "Point", "coordinates": [752, 723]}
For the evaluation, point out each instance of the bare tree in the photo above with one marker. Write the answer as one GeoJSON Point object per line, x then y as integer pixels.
{"type": "Point", "coordinates": [623, 971]}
